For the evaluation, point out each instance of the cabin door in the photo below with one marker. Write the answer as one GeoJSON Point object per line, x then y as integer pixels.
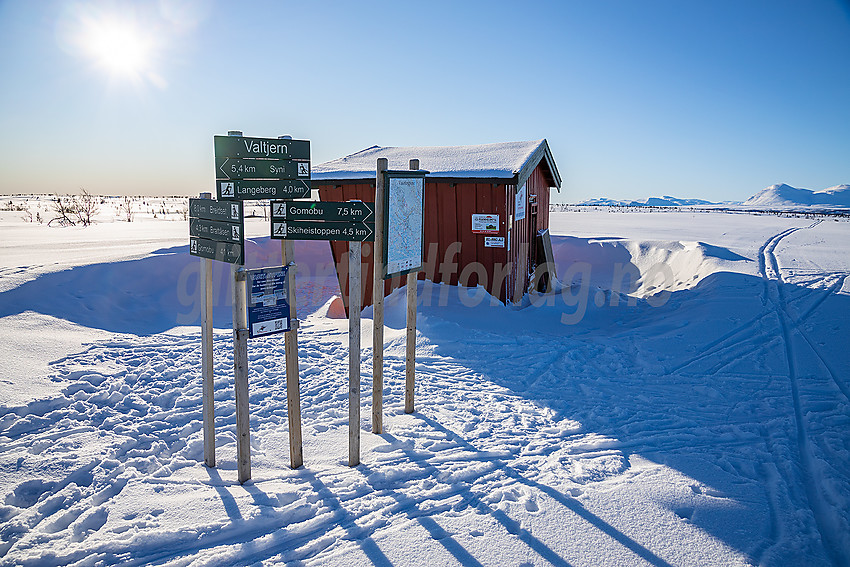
{"type": "Point", "coordinates": [532, 234]}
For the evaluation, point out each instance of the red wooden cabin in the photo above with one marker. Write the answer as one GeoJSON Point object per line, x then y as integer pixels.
{"type": "Point", "coordinates": [491, 179]}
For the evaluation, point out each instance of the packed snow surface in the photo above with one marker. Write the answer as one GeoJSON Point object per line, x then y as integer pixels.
{"type": "Point", "coordinates": [684, 399]}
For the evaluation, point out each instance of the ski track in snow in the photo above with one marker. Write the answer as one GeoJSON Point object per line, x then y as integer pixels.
{"type": "Point", "coordinates": [832, 525]}
{"type": "Point", "coordinates": [667, 446]}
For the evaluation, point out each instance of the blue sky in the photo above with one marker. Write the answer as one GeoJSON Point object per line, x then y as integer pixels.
{"type": "Point", "coordinates": [637, 98]}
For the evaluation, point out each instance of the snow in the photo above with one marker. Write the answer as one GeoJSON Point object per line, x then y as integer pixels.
{"type": "Point", "coordinates": [501, 160]}
{"type": "Point", "coordinates": [692, 414]}
{"type": "Point", "coordinates": [785, 196]}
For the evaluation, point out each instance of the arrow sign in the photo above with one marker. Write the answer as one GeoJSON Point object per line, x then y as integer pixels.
{"type": "Point", "coordinates": [310, 230]}
{"type": "Point", "coordinates": [239, 146]}
{"type": "Point", "coordinates": [238, 168]}
{"type": "Point", "coordinates": [353, 211]}
{"type": "Point", "coordinates": [216, 230]}
{"type": "Point", "coordinates": [215, 210]}
{"type": "Point", "coordinates": [263, 189]}
{"type": "Point", "coordinates": [222, 251]}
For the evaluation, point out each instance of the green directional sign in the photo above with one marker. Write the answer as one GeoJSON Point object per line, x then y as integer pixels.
{"type": "Point", "coordinates": [240, 146]}
{"type": "Point", "coordinates": [215, 210]}
{"type": "Point", "coordinates": [354, 211]}
{"type": "Point", "coordinates": [229, 252]}
{"type": "Point", "coordinates": [238, 168]}
{"type": "Point", "coordinates": [251, 189]}
{"type": "Point", "coordinates": [322, 230]}
{"type": "Point", "coordinates": [216, 230]}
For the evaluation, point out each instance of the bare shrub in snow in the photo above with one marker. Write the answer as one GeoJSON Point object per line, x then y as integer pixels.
{"type": "Point", "coordinates": [71, 210]}
{"type": "Point", "coordinates": [65, 209]}
{"type": "Point", "coordinates": [126, 208]}
{"type": "Point", "coordinates": [86, 207]}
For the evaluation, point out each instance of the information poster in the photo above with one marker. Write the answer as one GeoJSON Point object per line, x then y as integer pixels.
{"type": "Point", "coordinates": [268, 305]}
{"type": "Point", "coordinates": [521, 199]}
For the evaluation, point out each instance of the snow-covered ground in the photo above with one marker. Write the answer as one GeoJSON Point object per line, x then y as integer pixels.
{"type": "Point", "coordinates": [684, 401]}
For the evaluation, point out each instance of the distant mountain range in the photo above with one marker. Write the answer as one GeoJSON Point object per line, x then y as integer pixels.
{"type": "Point", "coordinates": [776, 196]}
{"type": "Point", "coordinates": [665, 201]}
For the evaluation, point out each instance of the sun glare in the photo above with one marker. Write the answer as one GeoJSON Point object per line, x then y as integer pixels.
{"type": "Point", "coordinates": [120, 47]}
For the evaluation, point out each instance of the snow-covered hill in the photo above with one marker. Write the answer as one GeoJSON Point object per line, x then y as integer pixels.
{"type": "Point", "coordinates": [785, 196]}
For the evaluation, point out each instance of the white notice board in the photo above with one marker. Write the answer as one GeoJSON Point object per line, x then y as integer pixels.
{"type": "Point", "coordinates": [519, 209]}
{"type": "Point", "coordinates": [404, 228]}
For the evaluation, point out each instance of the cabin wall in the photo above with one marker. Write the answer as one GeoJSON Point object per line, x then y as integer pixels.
{"type": "Point", "coordinates": [453, 254]}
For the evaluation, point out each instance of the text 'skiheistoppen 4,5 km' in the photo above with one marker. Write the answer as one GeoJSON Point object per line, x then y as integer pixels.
{"type": "Point", "coordinates": [330, 230]}
{"type": "Point", "coordinates": [351, 221]}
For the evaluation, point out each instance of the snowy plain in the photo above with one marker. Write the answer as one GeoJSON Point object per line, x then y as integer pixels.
{"type": "Point", "coordinates": [694, 412]}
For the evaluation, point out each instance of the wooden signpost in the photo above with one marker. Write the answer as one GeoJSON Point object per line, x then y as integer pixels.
{"type": "Point", "coordinates": [327, 220]}
{"type": "Point", "coordinates": [264, 298]}
{"type": "Point", "coordinates": [216, 232]}
{"type": "Point", "coordinates": [249, 168]}
{"type": "Point", "coordinates": [399, 243]}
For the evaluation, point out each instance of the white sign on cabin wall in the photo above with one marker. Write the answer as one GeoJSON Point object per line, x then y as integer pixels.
{"type": "Point", "coordinates": [519, 207]}
{"type": "Point", "coordinates": [485, 224]}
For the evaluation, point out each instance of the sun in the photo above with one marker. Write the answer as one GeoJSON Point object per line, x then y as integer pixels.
{"type": "Point", "coordinates": [118, 47]}
{"type": "Point", "coordinates": [123, 45]}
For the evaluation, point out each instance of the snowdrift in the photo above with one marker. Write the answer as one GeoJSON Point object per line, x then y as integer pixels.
{"type": "Point", "coordinates": [161, 291]}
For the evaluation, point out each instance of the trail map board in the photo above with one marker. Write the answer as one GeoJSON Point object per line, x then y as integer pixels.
{"type": "Point", "coordinates": [404, 227]}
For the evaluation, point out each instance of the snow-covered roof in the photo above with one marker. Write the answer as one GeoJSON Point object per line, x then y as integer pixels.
{"type": "Point", "coordinates": [508, 160]}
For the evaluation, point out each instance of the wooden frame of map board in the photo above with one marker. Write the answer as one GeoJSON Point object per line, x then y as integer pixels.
{"type": "Point", "coordinates": [401, 188]}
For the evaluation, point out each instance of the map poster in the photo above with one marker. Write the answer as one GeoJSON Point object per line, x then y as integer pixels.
{"type": "Point", "coordinates": [404, 227]}
{"type": "Point", "coordinates": [485, 224]}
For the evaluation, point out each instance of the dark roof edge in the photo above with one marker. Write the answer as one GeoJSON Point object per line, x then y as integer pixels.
{"type": "Point", "coordinates": [542, 153]}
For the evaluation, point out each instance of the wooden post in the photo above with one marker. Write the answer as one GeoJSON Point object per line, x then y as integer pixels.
{"type": "Point", "coordinates": [410, 358]}
{"type": "Point", "coordinates": [290, 347]}
{"type": "Point", "coordinates": [378, 302]}
{"type": "Point", "coordinates": [240, 371]}
{"type": "Point", "coordinates": [207, 378]}
{"type": "Point", "coordinates": [355, 296]}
